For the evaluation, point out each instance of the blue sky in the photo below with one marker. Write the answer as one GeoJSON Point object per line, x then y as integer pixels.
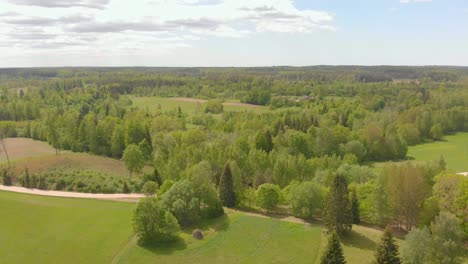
{"type": "Point", "coordinates": [232, 32]}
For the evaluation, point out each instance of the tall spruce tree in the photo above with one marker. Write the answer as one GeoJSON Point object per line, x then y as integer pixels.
{"type": "Point", "coordinates": [226, 187]}
{"type": "Point", "coordinates": [387, 251]}
{"type": "Point", "coordinates": [334, 253]}
{"type": "Point", "coordinates": [338, 216]}
{"type": "Point", "coordinates": [355, 208]}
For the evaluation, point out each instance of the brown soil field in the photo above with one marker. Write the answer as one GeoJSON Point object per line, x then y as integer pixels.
{"type": "Point", "coordinates": [19, 148]}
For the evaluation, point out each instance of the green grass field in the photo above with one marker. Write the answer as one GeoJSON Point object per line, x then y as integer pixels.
{"type": "Point", "coordinates": [189, 106]}
{"type": "Point", "coordinates": [38, 229]}
{"type": "Point", "coordinates": [454, 148]}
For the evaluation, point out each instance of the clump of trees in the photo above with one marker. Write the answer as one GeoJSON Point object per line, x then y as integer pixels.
{"type": "Point", "coordinates": [152, 222]}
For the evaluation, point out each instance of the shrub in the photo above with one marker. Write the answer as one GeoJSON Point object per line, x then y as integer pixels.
{"type": "Point", "coordinates": [153, 223]}
{"type": "Point", "coordinates": [150, 188]}
{"type": "Point", "coordinates": [6, 178]}
{"type": "Point", "coordinates": [214, 107]}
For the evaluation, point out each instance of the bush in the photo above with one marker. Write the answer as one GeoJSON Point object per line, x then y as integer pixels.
{"type": "Point", "coordinates": [6, 178]}
{"type": "Point", "coordinates": [79, 181]}
{"type": "Point", "coordinates": [153, 223]}
{"type": "Point", "coordinates": [150, 188]}
{"type": "Point", "coordinates": [268, 196]}
{"type": "Point", "coordinates": [214, 107]}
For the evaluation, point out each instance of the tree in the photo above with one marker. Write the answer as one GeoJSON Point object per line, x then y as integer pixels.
{"type": "Point", "coordinates": [448, 239]}
{"type": "Point", "coordinates": [146, 149]}
{"type": "Point", "coordinates": [338, 216]}
{"type": "Point", "coordinates": [117, 142]}
{"type": "Point", "coordinates": [2, 141]}
{"type": "Point", "coordinates": [436, 132]}
{"type": "Point", "coordinates": [133, 159]}
{"type": "Point", "coordinates": [387, 251]}
{"type": "Point", "coordinates": [264, 141]}
{"type": "Point", "coordinates": [268, 196]}
{"type": "Point", "coordinates": [6, 178]}
{"type": "Point", "coordinates": [226, 188]}
{"type": "Point", "coordinates": [418, 246]}
{"type": "Point", "coordinates": [150, 188]}
{"type": "Point", "coordinates": [304, 198]}
{"type": "Point", "coordinates": [355, 208]}
{"type": "Point", "coordinates": [125, 188]}
{"type": "Point", "coordinates": [153, 223]}
{"type": "Point", "coordinates": [190, 201]}
{"type": "Point", "coordinates": [406, 201]}
{"type": "Point", "coordinates": [333, 253]}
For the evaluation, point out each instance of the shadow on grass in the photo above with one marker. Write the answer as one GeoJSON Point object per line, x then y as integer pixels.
{"type": "Point", "coordinates": [355, 239]}
{"type": "Point", "coordinates": [218, 224]}
{"type": "Point", "coordinates": [165, 248]}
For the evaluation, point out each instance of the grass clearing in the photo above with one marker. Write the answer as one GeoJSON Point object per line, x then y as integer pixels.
{"type": "Point", "coordinates": [454, 148]}
{"type": "Point", "coordinates": [40, 229]}
{"type": "Point", "coordinates": [190, 105]}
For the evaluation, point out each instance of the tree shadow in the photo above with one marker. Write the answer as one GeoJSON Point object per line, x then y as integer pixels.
{"type": "Point", "coordinates": [218, 224]}
{"type": "Point", "coordinates": [354, 239]}
{"type": "Point", "coordinates": [165, 248]}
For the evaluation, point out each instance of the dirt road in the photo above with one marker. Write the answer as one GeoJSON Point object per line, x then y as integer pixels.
{"type": "Point", "coordinates": [104, 196]}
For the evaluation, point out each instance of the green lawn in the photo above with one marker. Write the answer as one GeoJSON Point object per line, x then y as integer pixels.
{"type": "Point", "coordinates": [454, 148]}
{"type": "Point", "coordinates": [38, 229]}
{"type": "Point", "coordinates": [168, 104]}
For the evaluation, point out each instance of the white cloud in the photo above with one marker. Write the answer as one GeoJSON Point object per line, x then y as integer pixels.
{"type": "Point", "coordinates": [159, 26]}
{"type": "Point", "coordinates": [414, 1]}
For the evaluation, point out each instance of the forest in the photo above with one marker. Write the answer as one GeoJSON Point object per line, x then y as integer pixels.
{"type": "Point", "coordinates": [331, 139]}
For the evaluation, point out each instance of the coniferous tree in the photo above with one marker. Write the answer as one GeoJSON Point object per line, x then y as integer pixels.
{"type": "Point", "coordinates": [226, 187]}
{"type": "Point", "coordinates": [387, 251]}
{"type": "Point", "coordinates": [334, 253]}
{"type": "Point", "coordinates": [157, 177]}
{"type": "Point", "coordinates": [355, 208]}
{"type": "Point", "coordinates": [338, 216]}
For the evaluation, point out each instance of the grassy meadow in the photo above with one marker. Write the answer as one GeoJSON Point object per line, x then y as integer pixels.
{"type": "Point", "coordinates": [40, 229]}
{"type": "Point", "coordinates": [454, 149]}
{"type": "Point", "coordinates": [189, 105]}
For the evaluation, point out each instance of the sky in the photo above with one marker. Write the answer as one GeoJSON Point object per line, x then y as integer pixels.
{"type": "Point", "coordinates": [37, 33]}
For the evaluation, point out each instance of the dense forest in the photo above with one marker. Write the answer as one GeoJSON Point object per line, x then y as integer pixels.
{"type": "Point", "coordinates": [323, 121]}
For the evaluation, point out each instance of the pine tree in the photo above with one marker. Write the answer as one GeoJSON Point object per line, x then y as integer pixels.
{"type": "Point", "coordinates": [226, 188]}
{"type": "Point", "coordinates": [157, 177]}
{"type": "Point", "coordinates": [334, 253]}
{"type": "Point", "coordinates": [338, 216]}
{"type": "Point", "coordinates": [355, 208]}
{"type": "Point", "coordinates": [387, 251]}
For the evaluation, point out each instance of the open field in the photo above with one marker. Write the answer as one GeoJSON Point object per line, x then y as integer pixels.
{"type": "Point", "coordinates": [19, 148]}
{"type": "Point", "coordinates": [190, 105]}
{"type": "Point", "coordinates": [454, 148]}
{"type": "Point", "coordinates": [38, 156]}
{"type": "Point", "coordinates": [40, 229]}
